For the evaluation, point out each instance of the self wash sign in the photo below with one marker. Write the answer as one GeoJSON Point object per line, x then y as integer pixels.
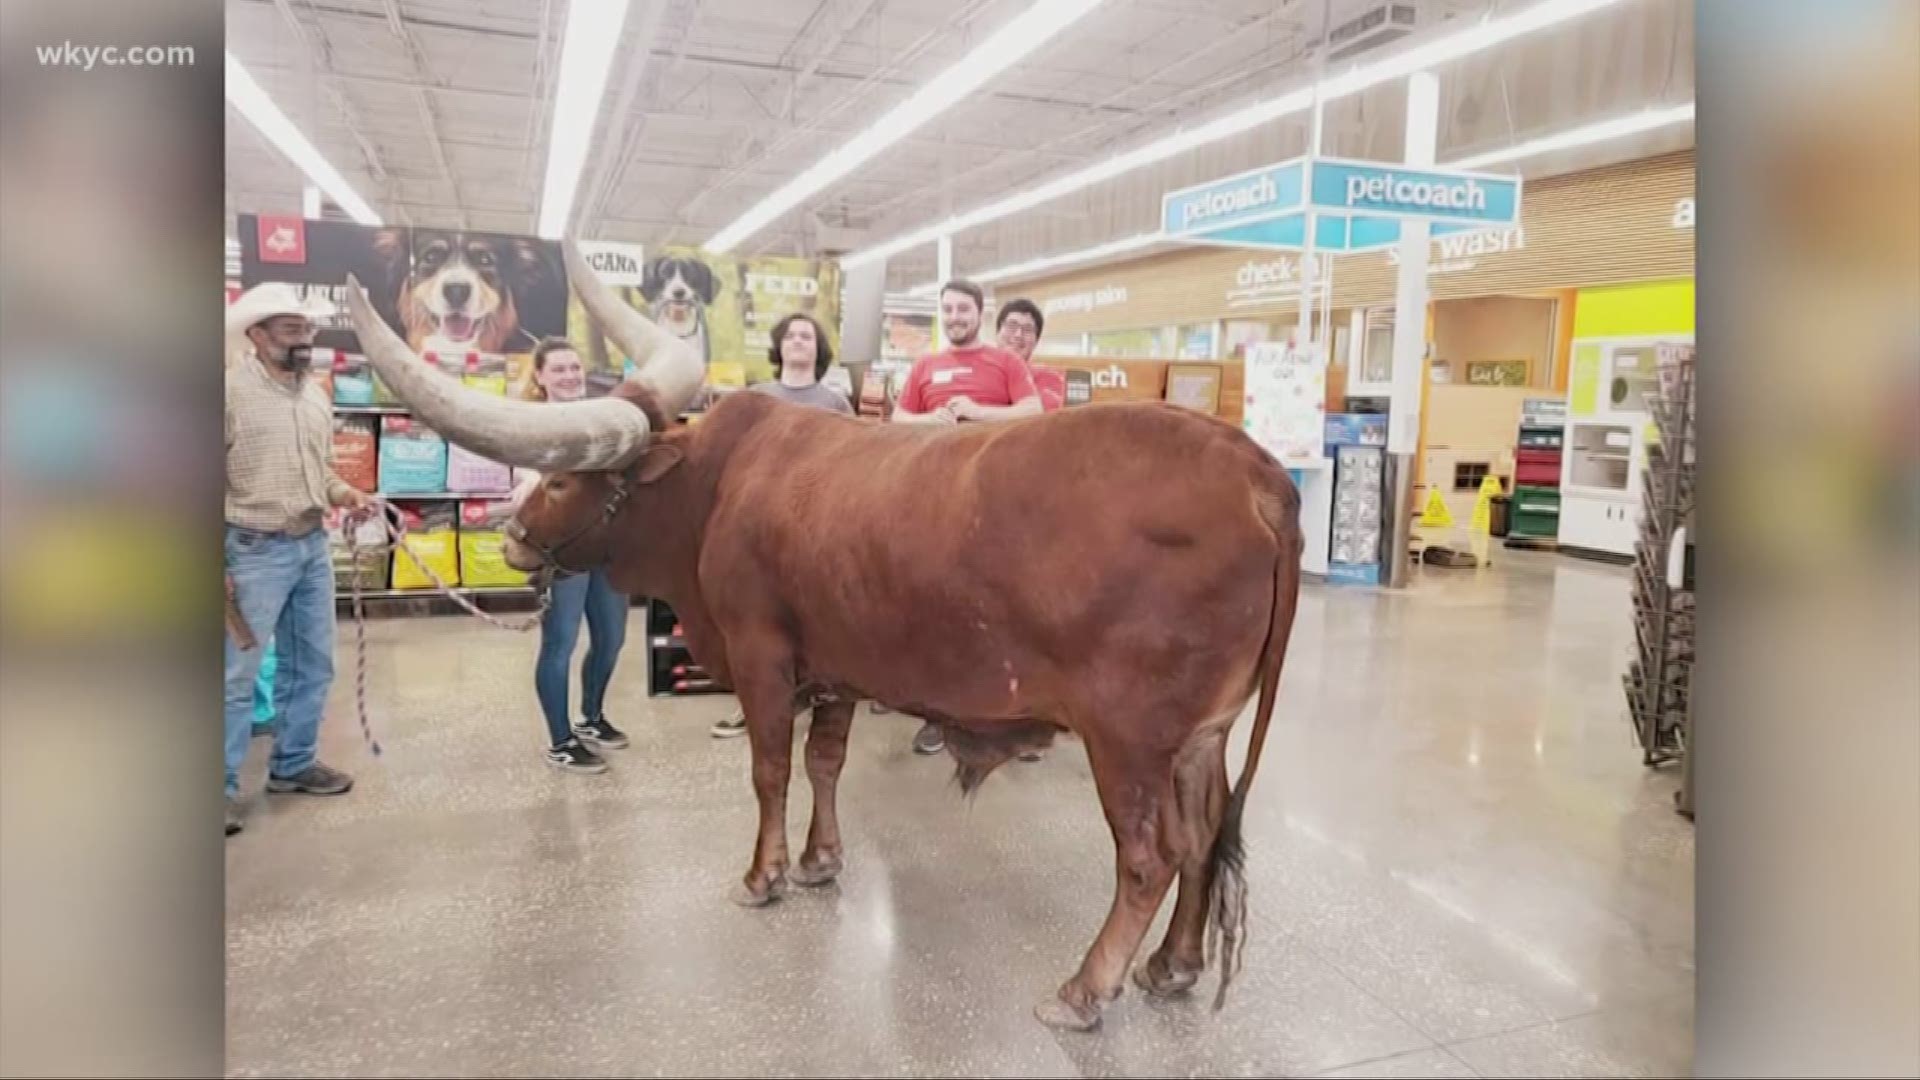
{"type": "Point", "coordinates": [1379, 190]}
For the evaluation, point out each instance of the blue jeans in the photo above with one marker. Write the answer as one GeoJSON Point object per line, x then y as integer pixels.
{"type": "Point", "coordinates": [284, 587]}
{"type": "Point", "coordinates": [591, 595]}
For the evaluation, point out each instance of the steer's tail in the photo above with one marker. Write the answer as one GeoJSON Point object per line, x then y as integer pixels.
{"type": "Point", "coordinates": [1227, 899]}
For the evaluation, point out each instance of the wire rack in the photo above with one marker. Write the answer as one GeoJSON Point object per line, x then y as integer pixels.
{"type": "Point", "coordinates": [1659, 680]}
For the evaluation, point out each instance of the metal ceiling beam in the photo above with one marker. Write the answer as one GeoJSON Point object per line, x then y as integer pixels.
{"type": "Point", "coordinates": [1086, 135]}
{"type": "Point", "coordinates": [539, 92]}
{"type": "Point", "coordinates": [753, 153]}
{"type": "Point", "coordinates": [630, 123]}
{"type": "Point", "coordinates": [845, 28]}
{"type": "Point", "coordinates": [428, 120]}
{"type": "Point", "coordinates": [319, 58]}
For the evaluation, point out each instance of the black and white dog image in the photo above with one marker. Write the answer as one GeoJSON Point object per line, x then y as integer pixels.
{"type": "Point", "coordinates": [678, 290]}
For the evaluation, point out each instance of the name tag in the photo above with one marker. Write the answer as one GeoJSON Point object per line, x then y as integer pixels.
{"type": "Point", "coordinates": [947, 375]}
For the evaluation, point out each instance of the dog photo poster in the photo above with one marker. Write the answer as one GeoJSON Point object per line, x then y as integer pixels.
{"type": "Point", "coordinates": [445, 291]}
{"type": "Point", "coordinates": [684, 291]}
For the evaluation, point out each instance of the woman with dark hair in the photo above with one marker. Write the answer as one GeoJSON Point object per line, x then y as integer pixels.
{"type": "Point", "coordinates": [558, 375]}
{"type": "Point", "coordinates": [800, 356]}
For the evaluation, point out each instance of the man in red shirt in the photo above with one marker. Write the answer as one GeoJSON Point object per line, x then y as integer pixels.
{"type": "Point", "coordinates": [969, 379]}
{"type": "Point", "coordinates": [1020, 325]}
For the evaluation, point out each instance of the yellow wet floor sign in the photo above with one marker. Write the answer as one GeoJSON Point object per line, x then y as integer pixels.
{"type": "Point", "coordinates": [1436, 515]}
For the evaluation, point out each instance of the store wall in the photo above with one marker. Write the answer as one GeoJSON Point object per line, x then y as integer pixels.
{"type": "Point", "coordinates": [1494, 328]}
{"type": "Point", "coordinates": [1651, 307]}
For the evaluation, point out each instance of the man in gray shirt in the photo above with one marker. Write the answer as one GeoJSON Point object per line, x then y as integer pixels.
{"type": "Point", "coordinates": [800, 356]}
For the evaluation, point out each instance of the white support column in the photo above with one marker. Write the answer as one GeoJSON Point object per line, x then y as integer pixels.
{"type": "Point", "coordinates": [1410, 326]}
{"type": "Point", "coordinates": [943, 274]}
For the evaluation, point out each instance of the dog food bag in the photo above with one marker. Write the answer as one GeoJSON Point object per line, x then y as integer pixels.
{"type": "Point", "coordinates": [371, 564]}
{"type": "Point", "coordinates": [483, 563]}
{"type": "Point", "coordinates": [487, 373]}
{"type": "Point", "coordinates": [413, 457]}
{"type": "Point", "coordinates": [470, 474]}
{"type": "Point", "coordinates": [356, 454]}
{"type": "Point", "coordinates": [433, 538]}
{"type": "Point", "coordinates": [352, 377]}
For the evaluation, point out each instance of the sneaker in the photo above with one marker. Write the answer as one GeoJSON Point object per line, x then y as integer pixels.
{"type": "Point", "coordinates": [731, 727]}
{"type": "Point", "coordinates": [234, 823]}
{"type": "Point", "coordinates": [599, 731]}
{"type": "Point", "coordinates": [931, 740]}
{"type": "Point", "coordinates": [573, 756]}
{"type": "Point", "coordinates": [316, 779]}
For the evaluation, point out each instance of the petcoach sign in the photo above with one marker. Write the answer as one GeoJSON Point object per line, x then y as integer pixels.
{"type": "Point", "coordinates": [1233, 200]}
{"type": "Point", "coordinates": [1349, 205]}
{"type": "Point", "coordinates": [1381, 190]}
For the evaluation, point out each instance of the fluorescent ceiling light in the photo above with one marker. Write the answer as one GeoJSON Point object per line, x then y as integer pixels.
{"type": "Point", "coordinates": [1000, 51]}
{"type": "Point", "coordinates": [1485, 34]}
{"type": "Point", "coordinates": [586, 56]}
{"type": "Point", "coordinates": [253, 103]}
{"type": "Point", "coordinates": [1618, 127]}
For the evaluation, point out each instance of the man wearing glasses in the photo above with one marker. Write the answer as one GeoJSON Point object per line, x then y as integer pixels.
{"type": "Point", "coordinates": [1020, 326]}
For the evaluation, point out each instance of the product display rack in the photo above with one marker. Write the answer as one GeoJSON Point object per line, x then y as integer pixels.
{"type": "Point", "coordinates": [671, 670]}
{"type": "Point", "coordinates": [1535, 518]}
{"type": "Point", "coordinates": [1659, 679]}
{"type": "Point", "coordinates": [503, 596]}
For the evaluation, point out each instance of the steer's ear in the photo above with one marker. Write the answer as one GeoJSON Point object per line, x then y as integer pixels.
{"type": "Point", "coordinates": [658, 460]}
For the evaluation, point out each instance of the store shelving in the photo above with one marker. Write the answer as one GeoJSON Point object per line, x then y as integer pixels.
{"type": "Point", "coordinates": [671, 668]}
{"type": "Point", "coordinates": [1659, 680]}
{"type": "Point", "coordinates": [1535, 517]}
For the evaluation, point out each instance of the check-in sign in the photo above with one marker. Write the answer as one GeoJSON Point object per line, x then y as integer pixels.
{"type": "Point", "coordinates": [1376, 189]}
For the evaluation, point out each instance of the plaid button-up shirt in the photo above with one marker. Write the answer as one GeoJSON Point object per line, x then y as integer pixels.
{"type": "Point", "coordinates": [280, 474]}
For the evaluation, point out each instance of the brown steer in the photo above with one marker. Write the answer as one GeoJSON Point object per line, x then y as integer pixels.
{"type": "Point", "coordinates": [1126, 573]}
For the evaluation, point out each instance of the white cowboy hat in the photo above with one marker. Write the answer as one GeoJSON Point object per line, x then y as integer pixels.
{"type": "Point", "coordinates": [264, 301]}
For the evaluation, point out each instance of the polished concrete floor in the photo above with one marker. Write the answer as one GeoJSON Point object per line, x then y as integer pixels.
{"type": "Point", "coordinates": [1457, 864]}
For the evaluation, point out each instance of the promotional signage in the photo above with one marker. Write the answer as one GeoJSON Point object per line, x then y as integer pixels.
{"type": "Point", "coordinates": [1361, 187]}
{"type": "Point", "coordinates": [618, 264]}
{"type": "Point", "coordinates": [1235, 200]}
{"type": "Point", "coordinates": [1355, 205]}
{"type": "Point", "coordinates": [1085, 301]}
{"type": "Point", "coordinates": [1267, 282]}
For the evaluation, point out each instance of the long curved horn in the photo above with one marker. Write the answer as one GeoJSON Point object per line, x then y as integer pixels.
{"type": "Point", "coordinates": [601, 433]}
{"type": "Point", "coordinates": [665, 364]}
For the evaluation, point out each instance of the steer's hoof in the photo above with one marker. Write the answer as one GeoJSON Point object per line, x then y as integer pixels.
{"type": "Point", "coordinates": [811, 877]}
{"type": "Point", "coordinates": [747, 898]}
{"type": "Point", "coordinates": [1056, 1013]}
{"type": "Point", "coordinates": [1155, 979]}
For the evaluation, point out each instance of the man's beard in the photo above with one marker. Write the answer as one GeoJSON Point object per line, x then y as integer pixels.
{"type": "Point", "coordinates": [293, 358]}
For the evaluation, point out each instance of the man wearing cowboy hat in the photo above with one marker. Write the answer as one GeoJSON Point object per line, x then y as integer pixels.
{"type": "Point", "coordinates": [280, 483]}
